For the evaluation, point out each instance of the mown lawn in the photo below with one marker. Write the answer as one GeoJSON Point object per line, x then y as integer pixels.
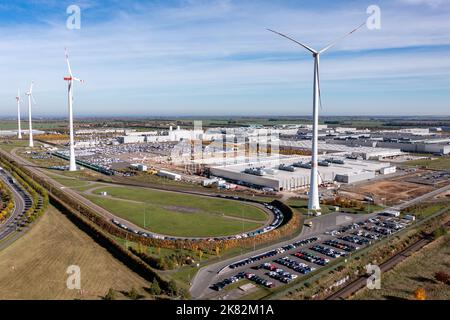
{"type": "Point", "coordinates": [171, 222]}
{"type": "Point", "coordinates": [206, 204]}
{"type": "Point", "coordinates": [301, 206]}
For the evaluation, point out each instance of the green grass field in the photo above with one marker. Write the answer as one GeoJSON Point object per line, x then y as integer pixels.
{"type": "Point", "coordinates": [302, 206]}
{"type": "Point", "coordinates": [37, 125]}
{"type": "Point", "coordinates": [428, 209]}
{"type": "Point", "coordinates": [178, 214]}
{"type": "Point", "coordinates": [184, 201]}
{"type": "Point", "coordinates": [442, 163]}
{"type": "Point", "coordinates": [170, 222]}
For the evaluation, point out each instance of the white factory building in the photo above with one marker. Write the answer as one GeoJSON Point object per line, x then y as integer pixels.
{"type": "Point", "coordinates": [365, 152]}
{"type": "Point", "coordinates": [350, 171]}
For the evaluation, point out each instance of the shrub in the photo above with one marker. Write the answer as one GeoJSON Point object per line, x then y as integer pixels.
{"type": "Point", "coordinates": [110, 295]}
{"type": "Point", "coordinates": [442, 276]}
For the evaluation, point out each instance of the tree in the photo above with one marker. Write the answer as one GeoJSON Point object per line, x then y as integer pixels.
{"type": "Point", "coordinates": [420, 294]}
{"type": "Point", "coordinates": [172, 288]}
{"type": "Point", "coordinates": [133, 294]}
{"type": "Point", "coordinates": [200, 254]}
{"type": "Point", "coordinates": [155, 289]}
{"type": "Point", "coordinates": [217, 250]}
{"type": "Point", "coordinates": [111, 295]}
{"type": "Point", "coordinates": [442, 276]}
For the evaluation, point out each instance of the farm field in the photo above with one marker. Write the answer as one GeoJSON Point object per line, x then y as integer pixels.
{"type": "Point", "coordinates": [417, 271]}
{"type": "Point", "coordinates": [34, 267]}
{"type": "Point", "coordinates": [37, 125]}
{"type": "Point", "coordinates": [441, 163]}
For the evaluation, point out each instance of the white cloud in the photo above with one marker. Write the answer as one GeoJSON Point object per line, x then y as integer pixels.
{"type": "Point", "coordinates": [207, 49]}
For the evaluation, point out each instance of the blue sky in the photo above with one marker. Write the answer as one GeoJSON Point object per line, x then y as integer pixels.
{"type": "Point", "coordinates": [214, 57]}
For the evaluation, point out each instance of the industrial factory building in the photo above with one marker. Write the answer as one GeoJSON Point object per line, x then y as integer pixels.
{"type": "Point", "coordinates": [293, 172]}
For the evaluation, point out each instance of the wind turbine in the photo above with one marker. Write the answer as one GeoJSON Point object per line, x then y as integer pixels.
{"type": "Point", "coordinates": [19, 130]}
{"type": "Point", "coordinates": [313, 201]}
{"type": "Point", "coordinates": [30, 126]}
{"type": "Point", "coordinates": [70, 79]}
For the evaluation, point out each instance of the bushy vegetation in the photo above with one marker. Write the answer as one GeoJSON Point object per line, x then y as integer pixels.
{"type": "Point", "coordinates": [6, 202]}
{"type": "Point", "coordinates": [36, 191]}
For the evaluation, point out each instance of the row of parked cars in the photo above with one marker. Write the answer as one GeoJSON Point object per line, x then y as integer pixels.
{"type": "Point", "coordinates": [242, 275]}
{"type": "Point", "coordinates": [307, 256]}
{"type": "Point", "coordinates": [340, 245]}
{"type": "Point", "coordinates": [328, 251]}
{"type": "Point", "coordinates": [272, 253]}
{"type": "Point", "coordinates": [361, 234]}
{"type": "Point", "coordinates": [365, 234]}
{"type": "Point", "coordinates": [294, 265]}
{"type": "Point", "coordinates": [253, 259]}
{"type": "Point", "coordinates": [277, 221]}
{"type": "Point", "coordinates": [282, 276]}
{"type": "Point", "coordinates": [355, 239]}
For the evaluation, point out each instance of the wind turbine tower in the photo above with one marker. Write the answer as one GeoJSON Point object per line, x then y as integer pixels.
{"type": "Point", "coordinates": [313, 202]}
{"type": "Point", "coordinates": [19, 130]}
{"type": "Point", "coordinates": [70, 79]}
{"type": "Point", "coordinates": [30, 125]}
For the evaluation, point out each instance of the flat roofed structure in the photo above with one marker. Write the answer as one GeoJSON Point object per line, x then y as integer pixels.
{"type": "Point", "coordinates": [286, 180]}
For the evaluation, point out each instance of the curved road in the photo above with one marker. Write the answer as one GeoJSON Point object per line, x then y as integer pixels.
{"type": "Point", "coordinates": [11, 224]}
{"type": "Point", "coordinates": [209, 274]}
{"type": "Point", "coordinates": [105, 213]}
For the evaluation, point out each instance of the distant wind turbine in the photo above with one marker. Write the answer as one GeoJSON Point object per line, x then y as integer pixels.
{"type": "Point", "coordinates": [70, 79]}
{"type": "Point", "coordinates": [19, 130]}
{"type": "Point", "coordinates": [313, 202]}
{"type": "Point", "coordinates": [30, 125]}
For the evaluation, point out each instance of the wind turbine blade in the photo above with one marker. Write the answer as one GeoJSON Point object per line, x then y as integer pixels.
{"type": "Point", "coordinates": [318, 80]}
{"type": "Point", "coordinates": [293, 40]}
{"type": "Point", "coordinates": [32, 98]}
{"type": "Point", "coordinates": [31, 87]}
{"type": "Point", "coordinates": [79, 80]}
{"type": "Point", "coordinates": [331, 45]}
{"type": "Point", "coordinates": [68, 63]}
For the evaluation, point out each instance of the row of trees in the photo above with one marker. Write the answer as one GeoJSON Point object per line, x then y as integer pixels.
{"type": "Point", "coordinates": [37, 193]}
{"type": "Point", "coordinates": [6, 202]}
{"type": "Point", "coordinates": [167, 262]}
{"type": "Point", "coordinates": [291, 224]}
{"type": "Point", "coordinates": [93, 224]}
{"type": "Point", "coordinates": [344, 203]}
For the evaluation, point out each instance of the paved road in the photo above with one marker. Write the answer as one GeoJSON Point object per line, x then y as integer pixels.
{"type": "Point", "coordinates": [10, 225]}
{"type": "Point", "coordinates": [101, 211]}
{"type": "Point", "coordinates": [210, 273]}
{"type": "Point", "coordinates": [359, 283]}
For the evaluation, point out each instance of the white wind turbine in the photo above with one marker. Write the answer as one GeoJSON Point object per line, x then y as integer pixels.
{"type": "Point", "coordinates": [313, 202]}
{"type": "Point", "coordinates": [30, 126]}
{"type": "Point", "coordinates": [19, 130]}
{"type": "Point", "coordinates": [70, 79]}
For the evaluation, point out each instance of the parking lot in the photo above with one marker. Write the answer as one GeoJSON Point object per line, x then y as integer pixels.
{"type": "Point", "coordinates": [293, 261]}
